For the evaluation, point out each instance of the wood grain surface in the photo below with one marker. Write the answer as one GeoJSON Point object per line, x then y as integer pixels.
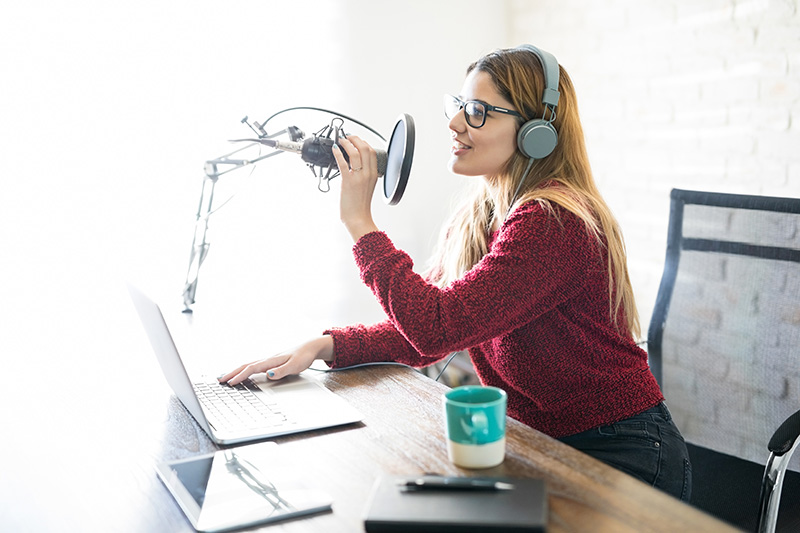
{"type": "Point", "coordinates": [91, 469]}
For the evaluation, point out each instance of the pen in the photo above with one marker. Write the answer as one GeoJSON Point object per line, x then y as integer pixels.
{"type": "Point", "coordinates": [454, 483]}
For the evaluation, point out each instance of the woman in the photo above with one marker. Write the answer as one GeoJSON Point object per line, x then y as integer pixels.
{"type": "Point", "coordinates": [530, 277]}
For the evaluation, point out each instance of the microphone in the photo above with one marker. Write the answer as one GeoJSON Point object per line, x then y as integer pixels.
{"type": "Point", "coordinates": [394, 164]}
{"type": "Point", "coordinates": [318, 151]}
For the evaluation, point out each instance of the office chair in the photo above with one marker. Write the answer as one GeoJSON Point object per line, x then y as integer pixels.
{"type": "Point", "coordinates": [724, 344]}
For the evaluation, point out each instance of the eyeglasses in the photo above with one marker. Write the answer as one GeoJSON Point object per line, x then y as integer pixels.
{"type": "Point", "coordinates": [474, 111]}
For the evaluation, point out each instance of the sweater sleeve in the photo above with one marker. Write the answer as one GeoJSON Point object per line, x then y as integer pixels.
{"type": "Point", "coordinates": [537, 261]}
{"type": "Point", "coordinates": [374, 343]}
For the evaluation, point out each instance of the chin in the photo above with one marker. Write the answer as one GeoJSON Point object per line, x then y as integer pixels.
{"type": "Point", "coordinates": [456, 167]}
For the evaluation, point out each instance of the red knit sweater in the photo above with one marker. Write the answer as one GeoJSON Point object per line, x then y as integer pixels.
{"type": "Point", "coordinates": [533, 313]}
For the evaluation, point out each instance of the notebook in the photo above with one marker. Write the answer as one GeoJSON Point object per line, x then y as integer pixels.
{"type": "Point", "coordinates": [521, 505]}
{"type": "Point", "coordinates": [259, 409]}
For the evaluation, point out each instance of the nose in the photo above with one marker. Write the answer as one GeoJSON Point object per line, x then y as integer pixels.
{"type": "Point", "coordinates": [458, 123]}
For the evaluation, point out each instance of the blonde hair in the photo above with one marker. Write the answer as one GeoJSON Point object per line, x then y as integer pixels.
{"type": "Point", "coordinates": [563, 178]}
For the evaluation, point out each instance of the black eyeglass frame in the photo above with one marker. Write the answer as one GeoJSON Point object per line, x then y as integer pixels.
{"type": "Point", "coordinates": [488, 108]}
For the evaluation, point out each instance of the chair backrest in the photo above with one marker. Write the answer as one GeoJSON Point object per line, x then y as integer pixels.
{"type": "Point", "coordinates": [724, 339]}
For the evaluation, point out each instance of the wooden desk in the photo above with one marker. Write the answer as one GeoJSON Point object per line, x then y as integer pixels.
{"type": "Point", "coordinates": [104, 480]}
{"type": "Point", "coordinates": [403, 434]}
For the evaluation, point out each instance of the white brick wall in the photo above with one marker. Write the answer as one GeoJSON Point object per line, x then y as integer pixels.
{"type": "Point", "coordinates": [695, 94]}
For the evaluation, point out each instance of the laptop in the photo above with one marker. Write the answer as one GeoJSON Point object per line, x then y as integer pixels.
{"type": "Point", "coordinates": [258, 409]}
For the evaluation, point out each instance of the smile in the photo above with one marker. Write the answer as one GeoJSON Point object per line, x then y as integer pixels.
{"type": "Point", "coordinates": [459, 147]}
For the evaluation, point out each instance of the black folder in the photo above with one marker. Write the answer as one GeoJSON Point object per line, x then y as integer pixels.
{"type": "Point", "coordinates": [393, 507]}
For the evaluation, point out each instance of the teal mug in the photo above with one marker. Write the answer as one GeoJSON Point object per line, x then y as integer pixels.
{"type": "Point", "coordinates": [476, 426]}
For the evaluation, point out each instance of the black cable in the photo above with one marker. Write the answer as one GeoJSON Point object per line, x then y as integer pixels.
{"type": "Point", "coordinates": [360, 365]}
{"type": "Point", "coordinates": [380, 363]}
{"type": "Point", "coordinates": [381, 137]}
{"type": "Point", "coordinates": [452, 355]}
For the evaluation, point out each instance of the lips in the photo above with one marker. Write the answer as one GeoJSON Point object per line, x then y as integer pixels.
{"type": "Point", "coordinates": [459, 147]}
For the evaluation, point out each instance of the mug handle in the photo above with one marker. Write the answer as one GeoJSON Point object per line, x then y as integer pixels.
{"type": "Point", "coordinates": [478, 423]}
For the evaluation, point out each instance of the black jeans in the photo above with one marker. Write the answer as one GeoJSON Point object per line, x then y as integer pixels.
{"type": "Point", "coordinates": [647, 446]}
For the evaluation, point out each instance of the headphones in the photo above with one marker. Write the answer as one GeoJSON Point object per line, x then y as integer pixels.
{"type": "Point", "coordinates": [537, 138]}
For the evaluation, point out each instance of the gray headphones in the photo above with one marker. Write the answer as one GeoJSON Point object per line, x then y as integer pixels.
{"type": "Point", "coordinates": [537, 138]}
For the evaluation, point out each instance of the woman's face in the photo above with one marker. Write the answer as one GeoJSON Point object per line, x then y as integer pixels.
{"type": "Point", "coordinates": [482, 151]}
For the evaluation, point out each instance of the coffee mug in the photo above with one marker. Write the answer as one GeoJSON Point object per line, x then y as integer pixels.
{"type": "Point", "coordinates": [476, 426]}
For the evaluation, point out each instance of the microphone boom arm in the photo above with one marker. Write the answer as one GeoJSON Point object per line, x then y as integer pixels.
{"type": "Point", "coordinates": [200, 242]}
{"type": "Point", "coordinates": [316, 152]}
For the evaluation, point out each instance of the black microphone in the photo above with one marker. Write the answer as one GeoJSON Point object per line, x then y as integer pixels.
{"type": "Point", "coordinates": [394, 164]}
{"type": "Point", "coordinates": [318, 151]}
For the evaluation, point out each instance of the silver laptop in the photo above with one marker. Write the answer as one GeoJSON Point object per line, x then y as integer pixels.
{"type": "Point", "coordinates": [257, 409]}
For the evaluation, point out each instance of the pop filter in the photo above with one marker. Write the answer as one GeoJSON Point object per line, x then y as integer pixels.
{"type": "Point", "coordinates": [400, 154]}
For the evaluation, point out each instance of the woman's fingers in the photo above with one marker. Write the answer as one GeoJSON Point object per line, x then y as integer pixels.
{"type": "Point", "coordinates": [362, 156]}
{"type": "Point", "coordinates": [288, 368]}
{"type": "Point", "coordinates": [358, 185]}
{"type": "Point", "coordinates": [227, 377]}
{"type": "Point", "coordinates": [284, 364]}
{"type": "Point", "coordinates": [341, 162]}
{"type": "Point", "coordinates": [256, 367]}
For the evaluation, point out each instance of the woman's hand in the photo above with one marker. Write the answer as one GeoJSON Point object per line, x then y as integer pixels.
{"type": "Point", "coordinates": [358, 185]}
{"type": "Point", "coordinates": [286, 363]}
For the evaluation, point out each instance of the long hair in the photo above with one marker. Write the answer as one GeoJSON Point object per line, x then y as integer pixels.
{"type": "Point", "coordinates": [563, 178]}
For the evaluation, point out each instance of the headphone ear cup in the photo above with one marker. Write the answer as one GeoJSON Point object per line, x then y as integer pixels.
{"type": "Point", "coordinates": [537, 139]}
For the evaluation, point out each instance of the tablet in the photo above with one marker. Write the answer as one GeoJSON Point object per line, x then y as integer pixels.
{"type": "Point", "coordinates": [240, 487]}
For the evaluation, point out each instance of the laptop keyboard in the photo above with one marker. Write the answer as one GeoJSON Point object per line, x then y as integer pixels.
{"type": "Point", "coordinates": [237, 408]}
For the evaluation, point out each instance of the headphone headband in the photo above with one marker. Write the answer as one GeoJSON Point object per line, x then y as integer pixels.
{"type": "Point", "coordinates": [551, 74]}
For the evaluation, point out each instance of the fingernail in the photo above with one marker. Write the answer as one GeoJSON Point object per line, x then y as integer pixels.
{"type": "Point", "coordinates": [271, 374]}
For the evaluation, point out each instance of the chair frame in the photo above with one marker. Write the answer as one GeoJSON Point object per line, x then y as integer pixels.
{"type": "Point", "coordinates": [785, 440]}
{"type": "Point", "coordinates": [781, 446]}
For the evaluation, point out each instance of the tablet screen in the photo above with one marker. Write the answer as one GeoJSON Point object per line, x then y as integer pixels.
{"type": "Point", "coordinates": [194, 476]}
{"type": "Point", "coordinates": [239, 487]}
